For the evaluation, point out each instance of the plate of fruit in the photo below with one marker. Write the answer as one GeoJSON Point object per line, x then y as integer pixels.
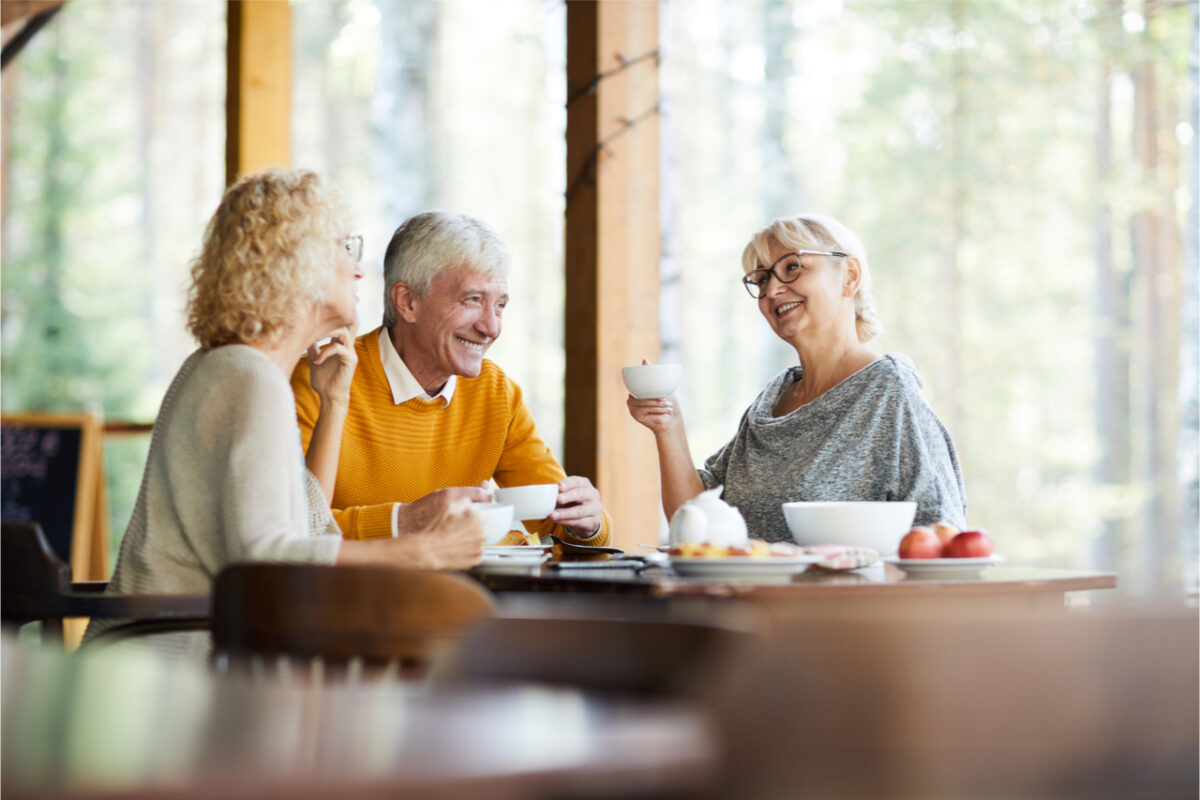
{"type": "Point", "coordinates": [943, 551]}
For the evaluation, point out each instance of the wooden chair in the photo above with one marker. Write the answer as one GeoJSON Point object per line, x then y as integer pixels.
{"type": "Point", "coordinates": [36, 586]}
{"type": "Point", "coordinates": [340, 619]}
{"type": "Point", "coordinates": [635, 657]}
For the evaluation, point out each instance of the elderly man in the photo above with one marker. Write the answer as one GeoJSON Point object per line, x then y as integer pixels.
{"type": "Point", "coordinates": [427, 412]}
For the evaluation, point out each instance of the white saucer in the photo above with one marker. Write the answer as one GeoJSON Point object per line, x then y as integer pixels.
{"type": "Point", "coordinates": [513, 563]}
{"type": "Point", "coordinates": [515, 549]}
{"type": "Point", "coordinates": [944, 568]}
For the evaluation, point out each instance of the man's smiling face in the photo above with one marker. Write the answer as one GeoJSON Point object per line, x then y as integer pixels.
{"type": "Point", "coordinates": [456, 322]}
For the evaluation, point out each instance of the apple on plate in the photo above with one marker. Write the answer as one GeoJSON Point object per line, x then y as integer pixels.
{"type": "Point", "coordinates": [920, 542]}
{"type": "Point", "coordinates": [945, 531]}
{"type": "Point", "coordinates": [970, 544]}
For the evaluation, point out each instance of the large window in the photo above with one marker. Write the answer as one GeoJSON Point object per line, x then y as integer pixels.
{"type": "Point", "coordinates": [1023, 175]}
{"type": "Point", "coordinates": [455, 105]}
{"type": "Point", "coordinates": [114, 136]}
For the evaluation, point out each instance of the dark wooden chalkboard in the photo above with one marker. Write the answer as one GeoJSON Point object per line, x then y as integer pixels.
{"type": "Point", "coordinates": [50, 473]}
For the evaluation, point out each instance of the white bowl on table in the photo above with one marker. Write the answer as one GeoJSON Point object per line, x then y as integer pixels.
{"type": "Point", "coordinates": [534, 501]}
{"type": "Point", "coordinates": [652, 381]}
{"type": "Point", "coordinates": [879, 525]}
{"type": "Point", "coordinates": [497, 520]}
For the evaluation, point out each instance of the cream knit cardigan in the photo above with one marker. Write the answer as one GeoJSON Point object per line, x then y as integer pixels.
{"type": "Point", "coordinates": [225, 481]}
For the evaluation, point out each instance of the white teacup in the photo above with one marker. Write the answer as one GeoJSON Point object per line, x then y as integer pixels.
{"type": "Point", "coordinates": [534, 501]}
{"type": "Point", "coordinates": [497, 520]}
{"type": "Point", "coordinates": [650, 381]}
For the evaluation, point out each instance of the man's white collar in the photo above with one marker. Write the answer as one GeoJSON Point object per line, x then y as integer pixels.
{"type": "Point", "coordinates": [400, 378]}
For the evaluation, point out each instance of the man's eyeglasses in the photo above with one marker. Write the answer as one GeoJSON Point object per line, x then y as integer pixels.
{"type": "Point", "coordinates": [786, 270]}
{"type": "Point", "coordinates": [354, 247]}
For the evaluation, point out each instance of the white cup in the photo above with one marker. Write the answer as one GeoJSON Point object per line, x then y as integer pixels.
{"type": "Point", "coordinates": [534, 501]}
{"type": "Point", "coordinates": [497, 520]}
{"type": "Point", "coordinates": [650, 381]}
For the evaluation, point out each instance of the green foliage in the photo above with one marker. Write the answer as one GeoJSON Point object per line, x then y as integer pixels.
{"type": "Point", "coordinates": [111, 118]}
{"type": "Point", "coordinates": [63, 329]}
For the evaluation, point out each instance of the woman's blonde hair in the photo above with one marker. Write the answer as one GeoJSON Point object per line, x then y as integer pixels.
{"type": "Point", "coordinates": [269, 252]}
{"type": "Point", "coordinates": [819, 232]}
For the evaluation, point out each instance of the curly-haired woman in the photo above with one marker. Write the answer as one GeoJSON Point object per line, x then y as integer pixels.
{"type": "Point", "coordinates": [225, 478]}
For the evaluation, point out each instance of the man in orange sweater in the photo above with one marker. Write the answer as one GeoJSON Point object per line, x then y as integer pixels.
{"type": "Point", "coordinates": [427, 411]}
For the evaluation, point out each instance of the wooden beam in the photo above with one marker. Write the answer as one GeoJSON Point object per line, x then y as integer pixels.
{"type": "Point", "coordinates": [15, 10]}
{"type": "Point", "coordinates": [258, 100]}
{"type": "Point", "coordinates": [612, 253]}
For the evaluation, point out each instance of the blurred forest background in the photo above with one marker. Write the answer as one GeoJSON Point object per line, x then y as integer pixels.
{"type": "Point", "coordinates": [1023, 173]}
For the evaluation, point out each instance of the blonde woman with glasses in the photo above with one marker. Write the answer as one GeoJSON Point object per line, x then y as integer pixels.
{"type": "Point", "coordinates": [843, 424]}
{"type": "Point", "coordinates": [225, 478]}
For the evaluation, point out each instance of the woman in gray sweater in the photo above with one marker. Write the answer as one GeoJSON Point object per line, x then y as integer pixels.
{"type": "Point", "coordinates": [225, 478]}
{"type": "Point", "coordinates": [845, 424]}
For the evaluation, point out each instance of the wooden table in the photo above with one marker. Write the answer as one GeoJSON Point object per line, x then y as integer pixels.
{"type": "Point", "coordinates": [1008, 587]}
{"type": "Point", "coordinates": [109, 724]}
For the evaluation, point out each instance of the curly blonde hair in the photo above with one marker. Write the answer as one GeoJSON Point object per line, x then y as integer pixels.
{"type": "Point", "coordinates": [269, 252]}
{"type": "Point", "coordinates": [819, 232]}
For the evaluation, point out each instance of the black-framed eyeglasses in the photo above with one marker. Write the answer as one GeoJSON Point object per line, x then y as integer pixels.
{"type": "Point", "coordinates": [354, 247]}
{"type": "Point", "coordinates": [786, 270]}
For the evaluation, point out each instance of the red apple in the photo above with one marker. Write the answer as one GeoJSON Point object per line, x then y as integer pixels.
{"type": "Point", "coordinates": [970, 544]}
{"type": "Point", "coordinates": [945, 531]}
{"type": "Point", "coordinates": [920, 542]}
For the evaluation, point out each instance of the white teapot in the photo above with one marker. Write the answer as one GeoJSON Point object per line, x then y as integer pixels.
{"type": "Point", "coordinates": [708, 518]}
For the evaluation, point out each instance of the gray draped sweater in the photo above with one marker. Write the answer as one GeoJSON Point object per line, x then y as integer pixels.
{"type": "Point", "coordinates": [871, 437]}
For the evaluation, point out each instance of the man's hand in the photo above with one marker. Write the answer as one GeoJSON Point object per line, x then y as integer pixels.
{"type": "Point", "coordinates": [453, 538]}
{"type": "Point", "coordinates": [420, 515]}
{"type": "Point", "coordinates": [579, 506]}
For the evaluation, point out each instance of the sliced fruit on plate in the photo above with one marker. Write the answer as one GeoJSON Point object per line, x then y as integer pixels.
{"type": "Point", "coordinates": [842, 556]}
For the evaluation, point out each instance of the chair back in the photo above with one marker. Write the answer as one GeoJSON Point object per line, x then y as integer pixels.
{"type": "Point", "coordinates": [375, 616]}
{"type": "Point", "coordinates": [31, 576]}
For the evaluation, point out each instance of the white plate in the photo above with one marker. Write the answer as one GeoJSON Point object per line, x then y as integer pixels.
{"type": "Point", "coordinates": [944, 567]}
{"type": "Point", "coordinates": [515, 549]}
{"type": "Point", "coordinates": [516, 563]}
{"type": "Point", "coordinates": [741, 566]}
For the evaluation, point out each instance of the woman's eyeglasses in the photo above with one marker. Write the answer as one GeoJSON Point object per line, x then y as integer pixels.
{"type": "Point", "coordinates": [354, 247]}
{"type": "Point", "coordinates": [786, 270]}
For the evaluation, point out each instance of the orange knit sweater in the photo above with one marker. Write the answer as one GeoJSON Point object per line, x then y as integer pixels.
{"type": "Point", "coordinates": [400, 453]}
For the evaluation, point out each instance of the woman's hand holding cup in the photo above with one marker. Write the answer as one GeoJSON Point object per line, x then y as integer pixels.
{"type": "Point", "coordinates": [651, 401]}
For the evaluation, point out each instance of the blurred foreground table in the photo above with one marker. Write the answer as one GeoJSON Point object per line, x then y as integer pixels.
{"type": "Point", "coordinates": [1100, 703]}
{"type": "Point", "coordinates": [107, 724]}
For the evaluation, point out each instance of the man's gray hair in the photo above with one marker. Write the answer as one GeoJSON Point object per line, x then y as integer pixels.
{"type": "Point", "coordinates": [435, 240]}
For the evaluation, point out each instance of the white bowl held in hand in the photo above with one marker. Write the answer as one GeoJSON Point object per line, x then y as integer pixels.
{"type": "Point", "coordinates": [879, 525]}
{"type": "Point", "coordinates": [497, 520]}
{"type": "Point", "coordinates": [534, 501]}
{"type": "Point", "coordinates": [651, 381]}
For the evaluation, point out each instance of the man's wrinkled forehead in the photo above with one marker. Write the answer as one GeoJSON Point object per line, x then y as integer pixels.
{"type": "Point", "coordinates": [467, 279]}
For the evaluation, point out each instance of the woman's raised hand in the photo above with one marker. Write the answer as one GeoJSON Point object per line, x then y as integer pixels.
{"type": "Point", "coordinates": [331, 368]}
{"type": "Point", "coordinates": [660, 415]}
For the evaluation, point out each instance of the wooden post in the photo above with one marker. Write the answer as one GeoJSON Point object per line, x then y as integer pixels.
{"type": "Point", "coordinates": [258, 100]}
{"type": "Point", "coordinates": [612, 253]}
